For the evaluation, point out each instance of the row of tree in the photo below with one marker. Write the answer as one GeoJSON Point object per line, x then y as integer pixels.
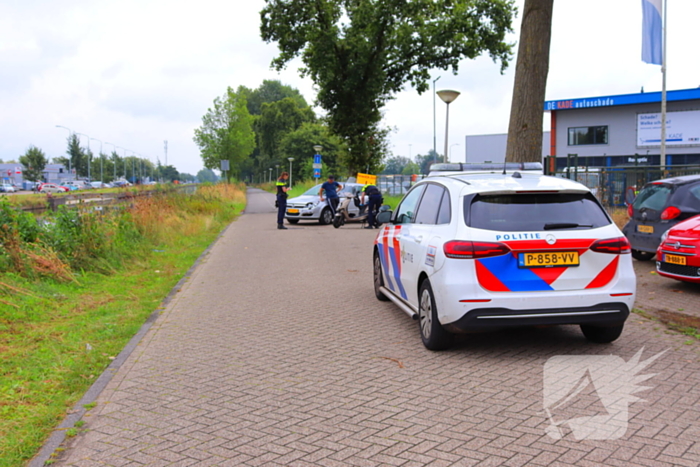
{"type": "Point", "coordinates": [105, 167]}
{"type": "Point", "coordinates": [256, 130]}
{"type": "Point", "coordinates": [400, 165]}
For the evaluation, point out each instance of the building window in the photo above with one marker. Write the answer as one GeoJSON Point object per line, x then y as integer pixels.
{"type": "Point", "coordinates": [588, 135]}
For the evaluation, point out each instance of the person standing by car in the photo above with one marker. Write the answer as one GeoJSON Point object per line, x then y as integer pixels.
{"type": "Point", "coordinates": [282, 189]}
{"type": "Point", "coordinates": [374, 202]}
{"type": "Point", "coordinates": [331, 188]}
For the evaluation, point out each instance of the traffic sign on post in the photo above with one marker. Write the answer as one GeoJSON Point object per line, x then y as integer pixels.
{"type": "Point", "coordinates": [317, 159]}
{"type": "Point", "coordinates": [317, 173]}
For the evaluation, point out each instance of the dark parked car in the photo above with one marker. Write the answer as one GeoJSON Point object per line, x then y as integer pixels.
{"type": "Point", "coordinates": [658, 207]}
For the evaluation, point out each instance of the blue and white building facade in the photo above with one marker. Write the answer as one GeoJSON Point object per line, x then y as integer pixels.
{"type": "Point", "coordinates": [53, 173]}
{"type": "Point", "coordinates": [620, 130]}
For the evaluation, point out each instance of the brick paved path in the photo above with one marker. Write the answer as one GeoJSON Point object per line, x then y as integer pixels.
{"type": "Point", "coordinates": [277, 353]}
{"type": "Point", "coordinates": [667, 299]}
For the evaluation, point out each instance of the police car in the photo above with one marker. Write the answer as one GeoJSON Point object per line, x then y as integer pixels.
{"type": "Point", "coordinates": [466, 252]}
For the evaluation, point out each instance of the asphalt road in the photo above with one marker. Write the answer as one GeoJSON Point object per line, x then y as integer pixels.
{"type": "Point", "coordinates": [275, 352]}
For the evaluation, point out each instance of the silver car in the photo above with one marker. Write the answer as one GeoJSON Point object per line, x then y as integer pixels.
{"type": "Point", "coordinates": [309, 207]}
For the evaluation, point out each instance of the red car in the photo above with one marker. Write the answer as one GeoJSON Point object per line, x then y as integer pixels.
{"type": "Point", "coordinates": [678, 254]}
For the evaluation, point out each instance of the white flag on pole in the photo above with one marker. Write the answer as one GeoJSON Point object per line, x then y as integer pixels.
{"type": "Point", "coordinates": [652, 32]}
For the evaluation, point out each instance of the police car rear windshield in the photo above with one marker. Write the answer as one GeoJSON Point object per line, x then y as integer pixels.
{"type": "Point", "coordinates": [534, 212]}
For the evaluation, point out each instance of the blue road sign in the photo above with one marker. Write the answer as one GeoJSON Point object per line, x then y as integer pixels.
{"type": "Point", "coordinates": [317, 159]}
{"type": "Point", "coordinates": [317, 173]}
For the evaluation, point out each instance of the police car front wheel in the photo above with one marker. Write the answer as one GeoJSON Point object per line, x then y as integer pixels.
{"type": "Point", "coordinates": [432, 333]}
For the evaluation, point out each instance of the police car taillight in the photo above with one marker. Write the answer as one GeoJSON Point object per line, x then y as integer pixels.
{"type": "Point", "coordinates": [615, 246]}
{"type": "Point", "coordinates": [461, 249]}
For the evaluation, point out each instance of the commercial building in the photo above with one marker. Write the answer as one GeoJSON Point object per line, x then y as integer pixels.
{"type": "Point", "coordinates": [53, 173]}
{"type": "Point", "coordinates": [610, 131]}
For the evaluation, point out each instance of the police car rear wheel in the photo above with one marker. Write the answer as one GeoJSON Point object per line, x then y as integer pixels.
{"type": "Point", "coordinates": [326, 217]}
{"type": "Point", "coordinates": [378, 279]}
{"type": "Point", "coordinates": [432, 334]}
{"type": "Point", "coordinates": [601, 335]}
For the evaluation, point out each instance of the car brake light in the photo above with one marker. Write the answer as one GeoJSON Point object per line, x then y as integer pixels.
{"type": "Point", "coordinates": [630, 211]}
{"type": "Point", "coordinates": [670, 212]}
{"type": "Point", "coordinates": [473, 250]}
{"type": "Point", "coordinates": [615, 246]}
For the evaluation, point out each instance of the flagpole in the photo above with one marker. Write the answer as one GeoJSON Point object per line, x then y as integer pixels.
{"type": "Point", "coordinates": [662, 157]}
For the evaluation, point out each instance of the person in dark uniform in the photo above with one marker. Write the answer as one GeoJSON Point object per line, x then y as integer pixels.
{"type": "Point", "coordinates": [282, 189]}
{"type": "Point", "coordinates": [374, 202]}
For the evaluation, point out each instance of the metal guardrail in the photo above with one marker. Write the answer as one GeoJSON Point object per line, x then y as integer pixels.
{"type": "Point", "coordinates": [617, 186]}
{"type": "Point", "coordinates": [397, 185]}
{"type": "Point", "coordinates": [613, 186]}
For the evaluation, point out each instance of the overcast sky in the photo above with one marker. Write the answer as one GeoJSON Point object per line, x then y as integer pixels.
{"type": "Point", "coordinates": [138, 72]}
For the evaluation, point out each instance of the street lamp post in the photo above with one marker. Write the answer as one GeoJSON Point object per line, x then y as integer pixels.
{"type": "Point", "coordinates": [290, 159]}
{"type": "Point", "coordinates": [434, 139]}
{"type": "Point", "coordinates": [447, 96]}
{"type": "Point", "coordinates": [70, 133]}
{"type": "Point", "coordinates": [88, 152]}
{"type": "Point", "coordinates": [277, 171]}
{"type": "Point", "coordinates": [269, 178]}
{"type": "Point", "coordinates": [101, 167]}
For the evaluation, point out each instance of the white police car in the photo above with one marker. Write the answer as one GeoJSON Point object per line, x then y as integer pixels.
{"type": "Point", "coordinates": [469, 252]}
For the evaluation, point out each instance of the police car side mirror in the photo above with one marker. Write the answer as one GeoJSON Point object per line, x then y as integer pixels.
{"type": "Point", "coordinates": [384, 217]}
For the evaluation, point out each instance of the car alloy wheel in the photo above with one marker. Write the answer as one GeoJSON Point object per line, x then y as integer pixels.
{"type": "Point", "coordinates": [326, 216]}
{"type": "Point", "coordinates": [432, 333]}
{"type": "Point", "coordinates": [378, 279]}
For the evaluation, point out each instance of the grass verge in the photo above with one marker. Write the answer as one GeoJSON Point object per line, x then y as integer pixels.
{"type": "Point", "coordinates": [56, 337]}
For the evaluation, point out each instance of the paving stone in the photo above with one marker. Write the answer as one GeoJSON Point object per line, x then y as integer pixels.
{"type": "Point", "coordinates": [275, 352]}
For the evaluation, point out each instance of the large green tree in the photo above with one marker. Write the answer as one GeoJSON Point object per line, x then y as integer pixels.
{"type": "Point", "coordinates": [34, 162]}
{"type": "Point", "coordinates": [226, 132]}
{"type": "Point", "coordinates": [276, 120]}
{"type": "Point", "coordinates": [272, 91]}
{"type": "Point", "coordinates": [359, 53]}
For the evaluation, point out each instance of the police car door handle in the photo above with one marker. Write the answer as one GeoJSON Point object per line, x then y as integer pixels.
{"type": "Point", "coordinates": [418, 239]}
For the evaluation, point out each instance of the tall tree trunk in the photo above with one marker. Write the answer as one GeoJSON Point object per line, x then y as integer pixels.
{"type": "Point", "coordinates": [527, 108]}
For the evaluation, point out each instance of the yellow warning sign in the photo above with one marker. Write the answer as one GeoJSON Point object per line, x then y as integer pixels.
{"type": "Point", "coordinates": [366, 179]}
